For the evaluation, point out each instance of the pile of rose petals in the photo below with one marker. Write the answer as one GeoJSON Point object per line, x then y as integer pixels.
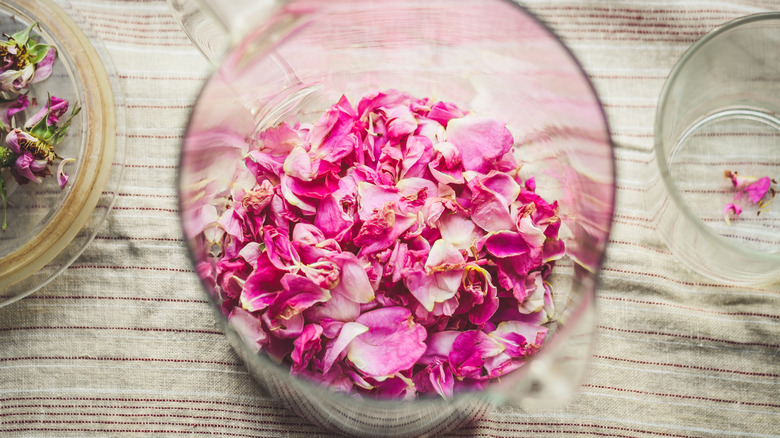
{"type": "Point", "coordinates": [389, 249]}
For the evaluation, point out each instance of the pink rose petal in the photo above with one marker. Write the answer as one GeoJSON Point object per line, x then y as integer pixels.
{"type": "Point", "coordinates": [354, 284]}
{"type": "Point", "coordinates": [729, 210]}
{"type": "Point", "coordinates": [756, 191]}
{"type": "Point", "coordinates": [490, 210]}
{"type": "Point", "coordinates": [298, 295]}
{"type": "Point", "coordinates": [306, 346]}
{"type": "Point", "coordinates": [482, 141]}
{"type": "Point", "coordinates": [392, 343]}
{"type": "Point", "coordinates": [348, 332]}
{"type": "Point", "coordinates": [443, 112]}
{"type": "Point", "coordinates": [469, 351]}
{"type": "Point", "coordinates": [248, 328]}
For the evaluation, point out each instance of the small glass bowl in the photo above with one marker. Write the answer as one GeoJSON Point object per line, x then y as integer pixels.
{"type": "Point", "coordinates": [720, 110]}
{"type": "Point", "coordinates": [49, 227]}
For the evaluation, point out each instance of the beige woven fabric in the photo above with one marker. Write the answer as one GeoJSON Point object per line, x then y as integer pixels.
{"type": "Point", "coordinates": [124, 343]}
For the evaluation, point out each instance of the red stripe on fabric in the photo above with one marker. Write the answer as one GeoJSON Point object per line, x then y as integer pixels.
{"type": "Point", "coordinates": [692, 337]}
{"type": "Point", "coordinates": [275, 414]}
{"type": "Point", "coordinates": [152, 423]}
{"type": "Point", "coordinates": [107, 38]}
{"type": "Point", "coordinates": [683, 396]}
{"type": "Point", "coordinates": [161, 2]}
{"type": "Point", "coordinates": [752, 239]}
{"type": "Point", "coordinates": [630, 217]}
{"type": "Point", "coordinates": [567, 432]}
{"type": "Point", "coordinates": [476, 425]}
{"type": "Point", "coordinates": [629, 105]}
{"type": "Point", "coordinates": [94, 297]}
{"type": "Point", "coordinates": [166, 210]}
{"type": "Point", "coordinates": [639, 19]}
{"type": "Point", "coordinates": [645, 247]}
{"type": "Point", "coordinates": [668, 14]}
{"type": "Point", "coordinates": [734, 163]}
{"type": "Point", "coordinates": [591, 75]}
{"type": "Point", "coordinates": [690, 23]}
{"type": "Point", "coordinates": [122, 17]}
{"type": "Point", "coordinates": [135, 329]}
{"type": "Point", "coordinates": [169, 31]}
{"type": "Point", "coordinates": [140, 415]}
{"type": "Point", "coordinates": [683, 282]}
{"type": "Point", "coordinates": [581, 28]}
{"type": "Point", "coordinates": [643, 189]}
{"type": "Point", "coordinates": [634, 160]}
{"type": "Point", "coordinates": [627, 76]}
{"type": "Point", "coordinates": [749, 219]}
{"type": "Point", "coordinates": [152, 166]}
{"type": "Point", "coordinates": [565, 37]}
{"type": "Point", "coordinates": [164, 78]}
{"type": "Point", "coordinates": [719, 134]}
{"type": "Point", "coordinates": [134, 400]}
{"type": "Point", "coordinates": [139, 268]}
{"type": "Point", "coordinates": [120, 359]}
{"type": "Point", "coordinates": [565, 34]}
{"type": "Point", "coordinates": [655, 303]}
{"type": "Point", "coordinates": [170, 27]}
{"type": "Point", "coordinates": [634, 10]}
{"type": "Point", "coordinates": [645, 226]}
{"type": "Point", "coordinates": [146, 431]}
{"type": "Point", "coordinates": [143, 239]}
{"type": "Point", "coordinates": [128, 36]}
{"type": "Point", "coordinates": [155, 136]}
{"type": "Point", "coordinates": [692, 367]}
{"type": "Point", "coordinates": [147, 195]}
{"type": "Point", "coordinates": [146, 106]}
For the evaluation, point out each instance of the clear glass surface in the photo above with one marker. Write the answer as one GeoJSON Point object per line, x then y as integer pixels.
{"type": "Point", "coordinates": [507, 65]}
{"type": "Point", "coordinates": [719, 111]}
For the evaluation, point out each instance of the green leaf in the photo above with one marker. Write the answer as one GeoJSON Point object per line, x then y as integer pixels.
{"type": "Point", "coordinates": [37, 52]}
{"type": "Point", "coordinates": [23, 35]}
{"type": "Point", "coordinates": [41, 129]}
{"type": "Point", "coordinates": [59, 134]}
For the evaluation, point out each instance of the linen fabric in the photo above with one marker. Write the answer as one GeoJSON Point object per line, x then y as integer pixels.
{"type": "Point", "coordinates": [124, 344]}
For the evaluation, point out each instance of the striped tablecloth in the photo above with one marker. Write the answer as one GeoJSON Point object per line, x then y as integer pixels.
{"type": "Point", "coordinates": [124, 344]}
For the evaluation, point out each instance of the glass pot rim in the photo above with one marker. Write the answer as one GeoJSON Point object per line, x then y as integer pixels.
{"type": "Point", "coordinates": [246, 44]}
{"type": "Point", "coordinates": [663, 166]}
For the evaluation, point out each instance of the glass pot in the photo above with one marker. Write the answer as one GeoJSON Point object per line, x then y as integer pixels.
{"type": "Point", "coordinates": [293, 59]}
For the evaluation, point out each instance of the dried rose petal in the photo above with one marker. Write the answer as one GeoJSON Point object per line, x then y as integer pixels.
{"type": "Point", "coordinates": [490, 210]}
{"type": "Point", "coordinates": [299, 294]}
{"type": "Point", "coordinates": [393, 342]}
{"type": "Point", "coordinates": [248, 328]}
{"type": "Point", "coordinates": [469, 352]}
{"type": "Point", "coordinates": [459, 231]}
{"type": "Point", "coordinates": [729, 210]}
{"type": "Point", "coordinates": [482, 141]}
{"type": "Point", "coordinates": [348, 332]}
{"type": "Point", "coordinates": [756, 190]}
{"type": "Point", "coordinates": [306, 346]}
